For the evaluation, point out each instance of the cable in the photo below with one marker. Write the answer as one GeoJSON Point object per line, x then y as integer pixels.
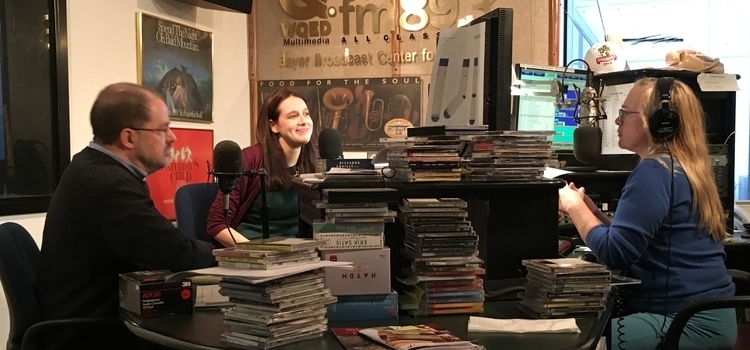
{"type": "Point", "coordinates": [619, 308]}
{"type": "Point", "coordinates": [498, 294]}
{"type": "Point", "coordinates": [229, 229]}
{"type": "Point", "coordinates": [729, 137]}
{"type": "Point", "coordinates": [604, 31]}
{"type": "Point", "coordinates": [669, 243]}
{"type": "Point", "coordinates": [565, 89]}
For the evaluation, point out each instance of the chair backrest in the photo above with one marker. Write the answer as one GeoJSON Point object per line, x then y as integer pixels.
{"type": "Point", "coordinates": [191, 204]}
{"type": "Point", "coordinates": [739, 301]}
{"type": "Point", "coordinates": [19, 257]}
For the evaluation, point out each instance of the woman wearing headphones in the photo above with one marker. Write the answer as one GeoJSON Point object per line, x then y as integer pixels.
{"type": "Point", "coordinates": [669, 223]}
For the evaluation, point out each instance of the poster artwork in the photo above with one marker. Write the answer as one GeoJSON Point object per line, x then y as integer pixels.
{"type": "Point", "coordinates": [176, 60]}
{"type": "Point", "coordinates": [190, 153]}
{"type": "Point", "coordinates": [456, 94]}
{"type": "Point", "coordinates": [363, 110]}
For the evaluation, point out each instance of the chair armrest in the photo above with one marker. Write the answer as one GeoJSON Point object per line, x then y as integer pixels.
{"type": "Point", "coordinates": [672, 339]}
{"type": "Point", "coordinates": [739, 275]}
{"type": "Point", "coordinates": [34, 337]}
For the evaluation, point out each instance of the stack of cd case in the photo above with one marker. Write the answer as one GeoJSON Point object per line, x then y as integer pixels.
{"type": "Point", "coordinates": [565, 287]}
{"type": "Point", "coordinates": [275, 313]}
{"type": "Point", "coordinates": [444, 276]}
{"type": "Point", "coordinates": [424, 158]}
{"type": "Point", "coordinates": [269, 254]}
{"type": "Point", "coordinates": [509, 156]}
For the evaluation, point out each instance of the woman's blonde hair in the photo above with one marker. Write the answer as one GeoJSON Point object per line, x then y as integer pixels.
{"type": "Point", "coordinates": [688, 147]}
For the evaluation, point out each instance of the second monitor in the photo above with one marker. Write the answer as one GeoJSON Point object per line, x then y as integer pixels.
{"type": "Point", "coordinates": [535, 92]}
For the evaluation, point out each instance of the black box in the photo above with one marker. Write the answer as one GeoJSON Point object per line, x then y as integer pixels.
{"type": "Point", "coordinates": [150, 294]}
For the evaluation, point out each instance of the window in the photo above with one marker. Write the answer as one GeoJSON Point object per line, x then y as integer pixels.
{"type": "Point", "coordinates": [34, 137]}
{"type": "Point", "coordinates": [716, 28]}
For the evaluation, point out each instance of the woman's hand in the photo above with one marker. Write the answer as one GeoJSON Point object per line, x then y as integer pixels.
{"type": "Point", "coordinates": [570, 197]}
{"type": "Point", "coordinates": [586, 199]}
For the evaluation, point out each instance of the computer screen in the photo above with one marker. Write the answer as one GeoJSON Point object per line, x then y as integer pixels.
{"type": "Point", "coordinates": [534, 101]}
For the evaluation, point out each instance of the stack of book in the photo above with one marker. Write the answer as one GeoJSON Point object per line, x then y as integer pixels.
{"type": "Point", "coordinates": [563, 288]}
{"type": "Point", "coordinates": [509, 156]}
{"type": "Point", "coordinates": [273, 311]}
{"type": "Point", "coordinates": [424, 158]}
{"type": "Point", "coordinates": [441, 244]}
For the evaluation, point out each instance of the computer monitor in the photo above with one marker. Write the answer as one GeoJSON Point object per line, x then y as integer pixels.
{"type": "Point", "coordinates": [535, 93]}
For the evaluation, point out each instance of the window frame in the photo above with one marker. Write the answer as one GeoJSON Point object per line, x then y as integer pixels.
{"type": "Point", "coordinates": [574, 19]}
{"type": "Point", "coordinates": [60, 118]}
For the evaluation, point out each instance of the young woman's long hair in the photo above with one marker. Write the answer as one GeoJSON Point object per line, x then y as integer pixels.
{"type": "Point", "coordinates": [274, 160]}
{"type": "Point", "coordinates": [689, 147]}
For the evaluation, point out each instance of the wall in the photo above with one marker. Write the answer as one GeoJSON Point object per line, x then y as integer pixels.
{"type": "Point", "coordinates": [102, 50]}
{"type": "Point", "coordinates": [300, 43]}
{"type": "Point", "coordinates": [530, 35]}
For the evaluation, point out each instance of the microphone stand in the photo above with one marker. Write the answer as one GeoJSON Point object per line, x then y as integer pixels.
{"type": "Point", "coordinates": [264, 213]}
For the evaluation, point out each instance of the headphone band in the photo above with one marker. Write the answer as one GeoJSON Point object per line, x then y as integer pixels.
{"type": "Point", "coordinates": [665, 92]}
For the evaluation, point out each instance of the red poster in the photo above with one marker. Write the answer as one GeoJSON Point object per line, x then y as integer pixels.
{"type": "Point", "coordinates": [190, 154]}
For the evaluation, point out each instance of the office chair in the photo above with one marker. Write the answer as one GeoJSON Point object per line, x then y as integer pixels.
{"type": "Point", "coordinates": [741, 280]}
{"type": "Point", "coordinates": [191, 205]}
{"type": "Point", "coordinates": [19, 256]}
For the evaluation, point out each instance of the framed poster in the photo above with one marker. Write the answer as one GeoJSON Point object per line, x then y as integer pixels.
{"type": "Point", "coordinates": [191, 153]}
{"type": "Point", "coordinates": [176, 60]}
{"type": "Point", "coordinates": [363, 110]}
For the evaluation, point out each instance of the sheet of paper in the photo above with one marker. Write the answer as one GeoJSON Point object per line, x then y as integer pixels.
{"type": "Point", "coordinates": [718, 82]}
{"type": "Point", "coordinates": [484, 324]}
{"type": "Point", "coordinates": [615, 96]}
{"type": "Point", "coordinates": [260, 276]}
{"type": "Point", "coordinates": [551, 173]}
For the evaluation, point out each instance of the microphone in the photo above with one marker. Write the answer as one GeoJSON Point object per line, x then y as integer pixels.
{"type": "Point", "coordinates": [227, 168]}
{"type": "Point", "coordinates": [587, 137]}
{"type": "Point", "coordinates": [330, 144]}
{"type": "Point", "coordinates": [587, 144]}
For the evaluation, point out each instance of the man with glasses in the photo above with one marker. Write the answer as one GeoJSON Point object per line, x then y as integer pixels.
{"type": "Point", "coordinates": [102, 222]}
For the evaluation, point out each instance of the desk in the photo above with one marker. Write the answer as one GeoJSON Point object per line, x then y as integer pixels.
{"type": "Point", "coordinates": [738, 254]}
{"type": "Point", "coordinates": [203, 330]}
{"type": "Point", "coordinates": [514, 220]}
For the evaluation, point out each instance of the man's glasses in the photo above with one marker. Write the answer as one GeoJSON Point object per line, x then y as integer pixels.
{"type": "Point", "coordinates": [158, 131]}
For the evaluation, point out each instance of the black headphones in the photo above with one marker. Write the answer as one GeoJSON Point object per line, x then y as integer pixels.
{"type": "Point", "coordinates": [665, 121]}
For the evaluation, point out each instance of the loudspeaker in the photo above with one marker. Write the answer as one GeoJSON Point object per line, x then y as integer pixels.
{"type": "Point", "coordinates": [665, 121]}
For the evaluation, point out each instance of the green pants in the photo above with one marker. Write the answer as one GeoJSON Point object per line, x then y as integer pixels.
{"type": "Point", "coordinates": [712, 329]}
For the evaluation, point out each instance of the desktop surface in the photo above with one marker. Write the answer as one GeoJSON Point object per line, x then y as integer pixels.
{"type": "Point", "coordinates": [204, 328]}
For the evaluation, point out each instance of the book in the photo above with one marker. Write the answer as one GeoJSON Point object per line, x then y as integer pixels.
{"type": "Point", "coordinates": [417, 337]}
{"type": "Point", "coordinates": [351, 340]}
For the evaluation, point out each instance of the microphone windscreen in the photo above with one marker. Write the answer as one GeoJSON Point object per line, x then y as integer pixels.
{"type": "Point", "coordinates": [330, 144]}
{"type": "Point", "coordinates": [227, 157]}
{"type": "Point", "coordinates": [587, 144]}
